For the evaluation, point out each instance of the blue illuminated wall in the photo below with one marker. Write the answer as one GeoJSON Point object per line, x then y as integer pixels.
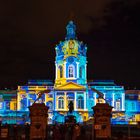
{"type": "Point", "coordinates": [70, 85]}
{"type": "Point", "coordinates": [8, 106]}
{"type": "Point", "coordinates": [132, 105]}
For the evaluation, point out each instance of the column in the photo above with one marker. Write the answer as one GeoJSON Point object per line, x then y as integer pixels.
{"type": "Point", "coordinates": [123, 101]}
{"type": "Point", "coordinates": [94, 98]}
{"type": "Point", "coordinates": [65, 101]}
{"type": "Point", "coordinates": [54, 101]}
{"type": "Point", "coordinates": [85, 71]}
{"type": "Point", "coordinates": [56, 70]}
{"type": "Point", "coordinates": [4, 106]}
{"type": "Point", "coordinates": [75, 99]}
{"type": "Point", "coordinates": [45, 98]}
{"type": "Point", "coordinates": [113, 101]}
{"type": "Point", "coordinates": [27, 100]}
{"type": "Point", "coordinates": [85, 101]}
{"type": "Point", "coordinates": [18, 101]}
{"type": "Point", "coordinates": [77, 69]}
{"type": "Point", "coordinates": [104, 97]}
{"type": "Point", "coordinates": [64, 69]}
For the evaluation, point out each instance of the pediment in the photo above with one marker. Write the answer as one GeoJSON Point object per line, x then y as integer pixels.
{"type": "Point", "coordinates": [70, 86]}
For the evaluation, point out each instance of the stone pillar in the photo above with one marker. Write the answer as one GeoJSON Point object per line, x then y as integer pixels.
{"type": "Point", "coordinates": [102, 124]}
{"type": "Point", "coordinates": [65, 101]}
{"type": "Point", "coordinates": [123, 102]}
{"type": "Point", "coordinates": [65, 70]}
{"type": "Point", "coordinates": [75, 100]}
{"type": "Point", "coordinates": [85, 103]}
{"type": "Point", "coordinates": [95, 98]}
{"type": "Point", "coordinates": [39, 121]}
{"type": "Point", "coordinates": [77, 69]}
{"type": "Point", "coordinates": [56, 71]}
{"type": "Point", "coordinates": [113, 100]}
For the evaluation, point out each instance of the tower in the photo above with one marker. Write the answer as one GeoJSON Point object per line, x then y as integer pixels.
{"type": "Point", "coordinates": [70, 61]}
{"type": "Point", "coordinates": [70, 79]}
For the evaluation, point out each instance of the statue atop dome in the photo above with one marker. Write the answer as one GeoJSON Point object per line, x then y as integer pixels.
{"type": "Point", "coordinates": [71, 28]}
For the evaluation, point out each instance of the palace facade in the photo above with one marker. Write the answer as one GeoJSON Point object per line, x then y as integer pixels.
{"type": "Point", "coordinates": [70, 84]}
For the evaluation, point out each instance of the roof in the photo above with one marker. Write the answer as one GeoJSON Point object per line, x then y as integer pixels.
{"type": "Point", "coordinates": [102, 82]}
{"type": "Point", "coordinates": [132, 92]}
{"type": "Point", "coordinates": [70, 86]}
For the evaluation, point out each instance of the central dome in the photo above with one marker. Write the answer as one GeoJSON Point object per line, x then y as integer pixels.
{"type": "Point", "coordinates": [71, 46]}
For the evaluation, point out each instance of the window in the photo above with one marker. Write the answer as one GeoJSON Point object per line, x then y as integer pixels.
{"type": "Point", "coordinates": [80, 102]}
{"type": "Point", "coordinates": [117, 105]}
{"type": "Point", "coordinates": [23, 104]}
{"type": "Point", "coordinates": [138, 97]}
{"type": "Point", "coordinates": [60, 102]}
{"type": "Point", "coordinates": [70, 99]}
{"type": "Point", "coordinates": [1, 105]}
{"type": "Point", "coordinates": [7, 105]}
{"type": "Point", "coordinates": [61, 71]}
{"type": "Point", "coordinates": [71, 71]}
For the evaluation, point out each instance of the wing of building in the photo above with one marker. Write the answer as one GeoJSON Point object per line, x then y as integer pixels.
{"type": "Point", "coordinates": [70, 84]}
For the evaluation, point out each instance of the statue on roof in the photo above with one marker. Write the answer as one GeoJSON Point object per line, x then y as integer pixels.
{"type": "Point", "coordinates": [71, 28]}
{"type": "Point", "coordinates": [71, 108]}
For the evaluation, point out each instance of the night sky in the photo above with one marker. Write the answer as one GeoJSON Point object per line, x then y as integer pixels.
{"type": "Point", "coordinates": [29, 31]}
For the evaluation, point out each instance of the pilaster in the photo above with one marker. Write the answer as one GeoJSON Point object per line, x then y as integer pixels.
{"type": "Point", "coordinates": [85, 101]}
{"type": "Point", "coordinates": [75, 99]}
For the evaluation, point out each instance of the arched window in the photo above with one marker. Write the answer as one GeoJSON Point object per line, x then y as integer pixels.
{"type": "Point", "coordinates": [61, 71]}
{"type": "Point", "coordinates": [80, 102]}
{"type": "Point", "coordinates": [71, 71]}
{"type": "Point", "coordinates": [118, 105]}
{"type": "Point", "coordinates": [60, 102]}
{"type": "Point", "coordinates": [70, 99]}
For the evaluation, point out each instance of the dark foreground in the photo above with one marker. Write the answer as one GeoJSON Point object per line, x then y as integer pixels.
{"type": "Point", "coordinates": [63, 132]}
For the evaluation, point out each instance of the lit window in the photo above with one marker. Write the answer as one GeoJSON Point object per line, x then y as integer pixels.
{"type": "Point", "coordinates": [117, 105]}
{"type": "Point", "coordinates": [138, 97]}
{"type": "Point", "coordinates": [80, 102]}
{"type": "Point", "coordinates": [71, 71]}
{"type": "Point", "coordinates": [60, 102]}
{"type": "Point", "coordinates": [1, 105]}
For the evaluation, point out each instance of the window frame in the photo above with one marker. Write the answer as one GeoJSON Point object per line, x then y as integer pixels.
{"type": "Point", "coordinates": [71, 71]}
{"type": "Point", "coordinates": [80, 102]}
{"type": "Point", "coordinates": [60, 102]}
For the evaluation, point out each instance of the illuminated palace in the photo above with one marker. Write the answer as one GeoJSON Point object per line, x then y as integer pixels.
{"type": "Point", "coordinates": [70, 85]}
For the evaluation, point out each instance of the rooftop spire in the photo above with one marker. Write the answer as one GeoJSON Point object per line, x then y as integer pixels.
{"type": "Point", "coordinates": [71, 34]}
